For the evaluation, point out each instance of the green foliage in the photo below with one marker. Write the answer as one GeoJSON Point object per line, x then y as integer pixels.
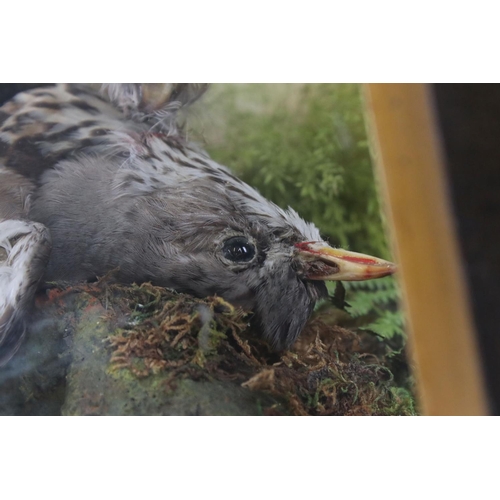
{"type": "Point", "coordinates": [376, 302]}
{"type": "Point", "coordinates": [305, 146]}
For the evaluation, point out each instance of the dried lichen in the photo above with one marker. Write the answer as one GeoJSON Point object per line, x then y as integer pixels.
{"type": "Point", "coordinates": [330, 370]}
{"type": "Point", "coordinates": [168, 330]}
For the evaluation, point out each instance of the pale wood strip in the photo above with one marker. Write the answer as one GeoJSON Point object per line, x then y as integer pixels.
{"type": "Point", "coordinates": [410, 163]}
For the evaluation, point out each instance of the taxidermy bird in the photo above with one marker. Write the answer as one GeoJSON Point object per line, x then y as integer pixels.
{"type": "Point", "coordinates": [94, 179]}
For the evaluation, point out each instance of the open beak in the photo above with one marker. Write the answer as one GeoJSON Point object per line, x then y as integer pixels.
{"type": "Point", "coordinates": [322, 262]}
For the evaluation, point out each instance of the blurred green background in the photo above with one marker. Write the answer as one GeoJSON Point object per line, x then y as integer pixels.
{"type": "Point", "coordinates": [301, 145]}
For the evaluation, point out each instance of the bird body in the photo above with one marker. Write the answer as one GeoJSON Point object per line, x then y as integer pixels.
{"type": "Point", "coordinates": [97, 181]}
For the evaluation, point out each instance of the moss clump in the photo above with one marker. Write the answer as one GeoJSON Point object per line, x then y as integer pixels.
{"type": "Point", "coordinates": [167, 330]}
{"type": "Point", "coordinates": [330, 370]}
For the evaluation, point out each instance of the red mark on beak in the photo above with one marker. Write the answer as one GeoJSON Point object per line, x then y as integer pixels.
{"type": "Point", "coordinates": [359, 260]}
{"type": "Point", "coordinates": [306, 246]}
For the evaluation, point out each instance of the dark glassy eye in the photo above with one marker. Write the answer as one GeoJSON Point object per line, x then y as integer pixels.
{"type": "Point", "coordinates": [238, 249]}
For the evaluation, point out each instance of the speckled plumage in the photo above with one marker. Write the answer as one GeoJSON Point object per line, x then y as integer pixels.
{"type": "Point", "coordinates": [109, 178]}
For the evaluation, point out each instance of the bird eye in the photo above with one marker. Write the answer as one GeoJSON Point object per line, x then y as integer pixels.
{"type": "Point", "coordinates": [238, 249]}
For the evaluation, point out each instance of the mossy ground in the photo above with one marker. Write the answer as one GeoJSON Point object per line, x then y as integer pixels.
{"type": "Point", "coordinates": [176, 338]}
{"type": "Point", "coordinates": [108, 349]}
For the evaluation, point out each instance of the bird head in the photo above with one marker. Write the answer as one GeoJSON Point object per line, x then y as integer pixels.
{"type": "Point", "coordinates": [212, 234]}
